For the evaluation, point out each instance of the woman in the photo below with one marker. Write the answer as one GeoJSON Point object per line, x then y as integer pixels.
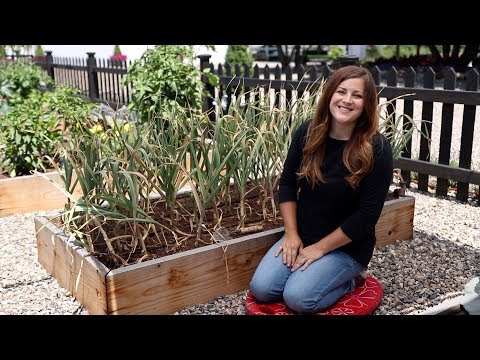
{"type": "Point", "coordinates": [332, 190]}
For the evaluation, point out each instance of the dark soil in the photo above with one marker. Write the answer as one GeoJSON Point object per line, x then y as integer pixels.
{"type": "Point", "coordinates": [161, 242]}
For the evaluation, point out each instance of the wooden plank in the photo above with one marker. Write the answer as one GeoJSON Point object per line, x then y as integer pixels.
{"type": "Point", "coordinates": [446, 133]}
{"type": "Point", "coordinates": [31, 193]}
{"type": "Point", "coordinates": [174, 282]}
{"type": "Point", "coordinates": [396, 221]}
{"type": "Point", "coordinates": [72, 266]}
{"type": "Point", "coordinates": [447, 307]}
{"type": "Point", "coordinates": [468, 126]}
{"type": "Point", "coordinates": [426, 128]}
{"type": "Point", "coordinates": [421, 94]}
{"type": "Point", "coordinates": [410, 80]}
{"type": "Point", "coordinates": [445, 171]}
{"type": "Point", "coordinates": [177, 281]}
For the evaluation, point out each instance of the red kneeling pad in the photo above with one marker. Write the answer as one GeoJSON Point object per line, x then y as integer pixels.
{"type": "Point", "coordinates": [362, 301]}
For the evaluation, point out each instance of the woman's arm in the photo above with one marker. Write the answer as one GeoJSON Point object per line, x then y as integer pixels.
{"type": "Point", "coordinates": [292, 242]}
{"type": "Point", "coordinates": [372, 193]}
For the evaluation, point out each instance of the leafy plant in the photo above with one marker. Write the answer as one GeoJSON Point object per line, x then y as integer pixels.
{"type": "Point", "coordinates": [5, 94]}
{"type": "Point", "coordinates": [334, 51]}
{"type": "Point", "coordinates": [39, 50]}
{"type": "Point", "coordinates": [23, 78]}
{"type": "Point", "coordinates": [131, 180]}
{"type": "Point", "coordinates": [116, 50]}
{"type": "Point", "coordinates": [238, 55]}
{"type": "Point", "coordinates": [33, 126]}
{"type": "Point", "coordinates": [29, 134]}
{"type": "Point", "coordinates": [166, 79]}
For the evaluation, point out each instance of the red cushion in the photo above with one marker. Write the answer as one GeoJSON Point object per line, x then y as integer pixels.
{"type": "Point", "coordinates": [362, 301]}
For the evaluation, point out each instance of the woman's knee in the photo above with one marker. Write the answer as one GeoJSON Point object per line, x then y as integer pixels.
{"type": "Point", "coordinates": [261, 292]}
{"type": "Point", "coordinates": [299, 302]}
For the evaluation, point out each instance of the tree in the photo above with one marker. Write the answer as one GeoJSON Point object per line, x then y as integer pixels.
{"type": "Point", "coordinates": [39, 50]}
{"type": "Point", "coordinates": [116, 50]}
{"type": "Point", "coordinates": [295, 53]}
{"type": "Point", "coordinates": [455, 55]}
{"type": "Point", "coordinates": [3, 53]}
{"type": "Point", "coordinates": [238, 54]}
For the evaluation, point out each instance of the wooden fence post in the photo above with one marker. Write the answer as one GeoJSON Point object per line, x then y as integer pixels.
{"type": "Point", "coordinates": [92, 76]}
{"type": "Point", "coordinates": [49, 60]}
{"type": "Point", "coordinates": [208, 100]}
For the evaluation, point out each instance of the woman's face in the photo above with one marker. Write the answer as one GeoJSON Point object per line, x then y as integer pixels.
{"type": "Point", "coordinates": [346, 104]}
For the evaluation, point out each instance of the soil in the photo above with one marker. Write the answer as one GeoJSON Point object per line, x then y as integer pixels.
{"type": "Point", "coordinates": [161, 242]}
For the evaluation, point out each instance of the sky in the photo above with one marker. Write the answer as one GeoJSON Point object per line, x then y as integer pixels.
{"type": "Point", "coordinates": [132, 52]}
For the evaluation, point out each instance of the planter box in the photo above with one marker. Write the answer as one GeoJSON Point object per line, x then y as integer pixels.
{"type": "Point", "coordinates": [177, 281]}
{"type": "Point", "coordinates": [31, 193]}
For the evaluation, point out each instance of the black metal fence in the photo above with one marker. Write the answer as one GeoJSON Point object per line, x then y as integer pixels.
{"type": "Point", "coordinates": [102, 81]}
{"type": "Point", "coordinates": [99, 80]}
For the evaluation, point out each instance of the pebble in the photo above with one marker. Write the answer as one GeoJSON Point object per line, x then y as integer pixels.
{"type": "Point", "coordinates": [416, 274]}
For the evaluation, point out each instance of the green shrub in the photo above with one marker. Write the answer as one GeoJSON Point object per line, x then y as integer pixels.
{"type": "Point", "coordinates": [23, 78]}
{"type": "Point", "coordinates": [238, 54]}
{"type": "Point", "coordinates": [334, 51]}
{"type": "Point", "coordinates": [116, 50]}
{"type": "Point", "coordinates": [165, 78]}
{"type": "Point", "coordinates": [39, 50]}
{"type": "Point", "coordinates": [34, 126]}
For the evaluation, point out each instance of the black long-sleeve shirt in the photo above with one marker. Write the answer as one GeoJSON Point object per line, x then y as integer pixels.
{"type": "Point", "coordinates": [334, 203]}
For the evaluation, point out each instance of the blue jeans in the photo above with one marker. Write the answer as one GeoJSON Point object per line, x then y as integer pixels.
{"type": "Point", "coordinates": [312, 290]}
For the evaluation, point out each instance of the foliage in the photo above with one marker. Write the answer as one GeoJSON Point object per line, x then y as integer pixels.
{"type": "Point", "coordinates": [117, 54]}
{"type": "Point", "coordinates": [123, 175]}
{"type": "Point", "coordinates": [39, 50]}
{"type": "Point", "coordinates": [131, 176]}
{"type": "Point", "coordinates": [72, 111]}
{"type": "Point", "coordinates": [165, 79]}
{"type": "Point", "coordinates": [5, 94]}
{"type": "Point", "coordinates": [29, 134]}
{"type": "Point", "coordinates": [238, 55]}
{"type": "Point", "coordinates": [398, 128]}
{"type": "Point", "coordinates": [116, 50]}
{"type": "Point", "coordinates": [334, 51]}
{"type": "Point", "coordinates": [3, 52]}
{"type": "Point", "coordinates": [22, 78]}
{"type": "Point", "coordinates": [32, 128]}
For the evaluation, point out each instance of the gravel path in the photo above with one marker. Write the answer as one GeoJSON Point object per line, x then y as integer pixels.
{"type": "Point", "coordinates": [416, 274]}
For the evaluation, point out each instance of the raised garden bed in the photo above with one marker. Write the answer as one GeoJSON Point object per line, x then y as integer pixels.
{"type": "Point", "coordinates": [173, 282]}
{"type": "Point", "coordinates": [31, 193]}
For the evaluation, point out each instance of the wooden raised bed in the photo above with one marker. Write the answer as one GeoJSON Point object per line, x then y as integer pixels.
{"type": "Point", "coordinates": [177, 281]}
{"type": "Point", "coordinates": [31, 193]}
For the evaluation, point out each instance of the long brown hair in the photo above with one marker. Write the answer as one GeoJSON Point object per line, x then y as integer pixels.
{"type": "Point", "coordinates": [358, 152]}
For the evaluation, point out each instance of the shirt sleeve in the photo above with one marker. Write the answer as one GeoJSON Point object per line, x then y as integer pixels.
{"type": "Point", "coordinates": [372, 193]}
{"type": "Point", "coordinates": [288, 180]}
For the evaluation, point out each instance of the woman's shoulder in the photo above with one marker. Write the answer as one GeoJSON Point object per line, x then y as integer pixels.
{"type": "Point", "coordinates": [380, 139]}
{"type": "Point", "coordinates": [303, 127]}
{"type": "Point", "coordinates": [380, 143]}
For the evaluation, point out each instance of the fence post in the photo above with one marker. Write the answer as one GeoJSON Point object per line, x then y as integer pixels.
{"type": "Point", "coordinates": [208, 100]}
{"type": "Point", "coordinates": [49, 60]}
{"type": "Point", "coordinates": [92, 76]}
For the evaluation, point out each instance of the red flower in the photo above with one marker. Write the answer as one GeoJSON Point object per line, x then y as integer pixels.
{"type": "Point", "coordinates": [117, 57]}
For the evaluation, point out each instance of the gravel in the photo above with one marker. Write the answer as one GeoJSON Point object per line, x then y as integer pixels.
{"type": "Point", "coordinates": [416, 274]}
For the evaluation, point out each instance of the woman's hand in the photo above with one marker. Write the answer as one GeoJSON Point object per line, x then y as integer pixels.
{"type": "Point", "coordinates": [290, 247]}
{"type": "Point", "coordinates": [307, 256]}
